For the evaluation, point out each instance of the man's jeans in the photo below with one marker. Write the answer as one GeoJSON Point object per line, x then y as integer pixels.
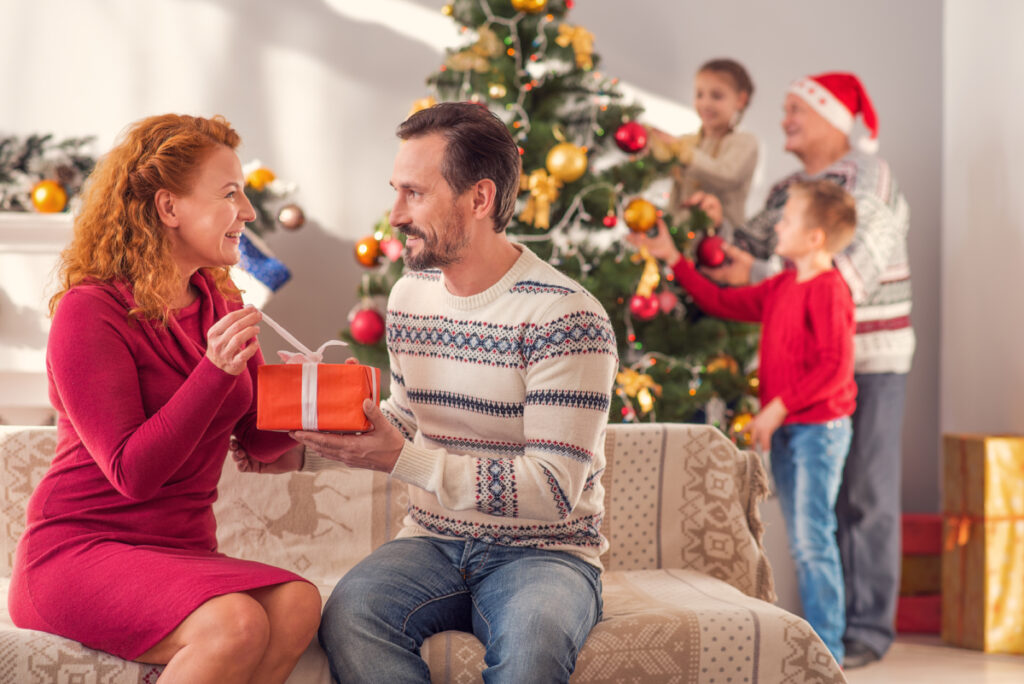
{"type": "Point", "coordinates": [532, 610]}
{"type": "Point", "coordinates": [868, 510]}
{"type": "Point", "coordinates": [807, 464]}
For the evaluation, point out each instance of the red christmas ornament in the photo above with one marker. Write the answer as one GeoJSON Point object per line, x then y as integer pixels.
{"type": "Point", "coordinates": [667, 300]}
{"type": "Point", "coordinates": [631, 137]}
{"type": "Point", "coordinates": [610, 220]}
{"type": "Point", "coordinates": [367, 327]}
{"type": "Point", "coordinates": [710, 252]}
{"type": "Point", "coordinates": [643, 308]}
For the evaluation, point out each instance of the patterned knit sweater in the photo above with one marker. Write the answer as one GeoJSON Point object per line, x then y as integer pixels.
{"type": "Point", "coordinates": [503, 398]}
{"type": "Point", "coordinates": [875, 266]}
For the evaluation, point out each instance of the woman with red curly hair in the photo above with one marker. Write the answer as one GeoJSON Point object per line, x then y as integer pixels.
{"type": "Point", "coordinates": [151, 363]}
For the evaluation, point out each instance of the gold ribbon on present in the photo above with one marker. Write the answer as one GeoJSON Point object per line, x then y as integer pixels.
{"type": "Point", "coordinates": [638, 385]}
{"type": "Point", "coordinates": [477, 57]}
{"type": "Point", "coordinates": [651, 275]}
{"type": "Point", "coordinates": [543, 191]}
{"type": "Point", "coordinates": [582, 42]}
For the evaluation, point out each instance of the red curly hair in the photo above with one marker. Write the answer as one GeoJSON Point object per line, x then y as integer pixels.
{"type": "Point", "coordinates": [118, 235]}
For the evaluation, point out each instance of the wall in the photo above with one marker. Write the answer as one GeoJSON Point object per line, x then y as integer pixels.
{"type": "Point", "coordinates": [316, 94]}
{"type": "Point", "coordinates": [983, 227]}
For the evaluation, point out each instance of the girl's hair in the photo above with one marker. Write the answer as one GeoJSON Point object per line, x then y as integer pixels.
{"type": "Point", "coordinates": [118, 235]}
{"type": "Point", "coordinates": [736, 73]}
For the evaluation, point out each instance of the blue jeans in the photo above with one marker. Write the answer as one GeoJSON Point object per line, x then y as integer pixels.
{"type": "Point", "coordinates": [531, 608]}
{"type": "Point", "coordinates": [868, 510]}
{"type": "Point", "coordinates": [807, 464]}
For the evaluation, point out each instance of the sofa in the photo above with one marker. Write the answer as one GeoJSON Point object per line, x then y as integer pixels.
{"type": "Point", "coordinates": [687, 587]}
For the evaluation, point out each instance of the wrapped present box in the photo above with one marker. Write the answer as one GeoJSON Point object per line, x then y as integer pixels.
{"type": "Point", "coordinates": [983, 550]}
{"type": "Point", "coordinates": [326, 397]}
{"type": "Point", "coordinates": [922, 554]}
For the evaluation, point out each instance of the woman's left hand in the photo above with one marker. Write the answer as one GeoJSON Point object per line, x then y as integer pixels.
{"type": "Point", "coordinates": [289, 461]}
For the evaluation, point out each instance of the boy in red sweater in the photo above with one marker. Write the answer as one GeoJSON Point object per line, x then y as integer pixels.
{"type": "Point", "coordinates": [806, 374]}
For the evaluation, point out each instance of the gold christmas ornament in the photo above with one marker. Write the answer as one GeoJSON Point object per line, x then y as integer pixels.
{"type": "Point", "coordinates": [368, 251]}
{"type": "Point", "coordinates": [567, 162]}
{"type": "Point", "coordinates": [421, 104]}
{"type": "Point", "coordinates": [638, 385]}
{"type": "Point", "coordinates": [723, 362]}
{"type": "Point", "coordinates": [49, 197]}
{"type": "Point", "coordinates": [497, 90]}
{"type": "Point", "coordinates": [651, 275]}
{"type": "Point", "coordinates": [447, 10]}
{"type": "Point", "coordinates": [543, 191]}
{"type": "Point", "coordinates": [529, 6]}
{"type": "Point", "coordinates": [753, 383]}
{"type": "Point", "coordinates": [582, 42]}
{"type": "Point", "coordinates": [258, 178]}
{"type": "Point", "coordinates": [739, 423]}
{"type": "Point", "coordinates": [291, 217]}
{"type": "Point", "coordinates": [640, 215]}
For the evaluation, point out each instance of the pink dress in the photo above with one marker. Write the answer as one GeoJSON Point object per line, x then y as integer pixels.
{"type": "Point", "coordinates": [121, 541]}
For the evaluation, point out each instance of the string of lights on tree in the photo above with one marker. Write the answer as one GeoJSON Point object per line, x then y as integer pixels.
{"type": "Point", "coordinates": [589, 175]}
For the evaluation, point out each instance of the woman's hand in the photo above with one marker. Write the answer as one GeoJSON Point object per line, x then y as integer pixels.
{"type": "Point", "coordinates": [293, 459]}
{"type": "Point", "coordinates": [231, 341]}
{"type": "Point", "coordinates": [661, 246]}
{"type": "Point", "coordinates": [709, 204]}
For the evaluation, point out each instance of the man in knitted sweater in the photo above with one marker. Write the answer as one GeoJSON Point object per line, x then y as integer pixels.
{"type": "Point", "coordinates": [819, 113]}
{"type": "Point", "coordinates": [501, 370]}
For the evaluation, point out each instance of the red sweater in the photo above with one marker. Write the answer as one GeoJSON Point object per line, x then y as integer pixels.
{"type": "Point", "coordinates": [806, 337]}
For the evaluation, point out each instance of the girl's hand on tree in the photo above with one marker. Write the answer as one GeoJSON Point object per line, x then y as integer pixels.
{"type": "Point", "coordinates": [661, 246]}
{"type": "Point", "coordinates": [231, 341]}
{"type": "Point", "coordinates": [765, 423]}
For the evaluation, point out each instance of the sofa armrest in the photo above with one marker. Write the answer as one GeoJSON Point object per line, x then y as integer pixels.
{"type": "Point", "coordinates": [683, 496]}
{"type": "Point", "coordinates": [25, 455]}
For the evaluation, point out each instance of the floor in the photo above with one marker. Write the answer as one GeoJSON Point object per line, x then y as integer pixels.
{"type": "Point", "coordinates": [926, 659]}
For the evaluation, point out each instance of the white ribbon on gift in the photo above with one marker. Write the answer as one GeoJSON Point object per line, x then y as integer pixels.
{"type": "Point", "coordinates": [310, 360]}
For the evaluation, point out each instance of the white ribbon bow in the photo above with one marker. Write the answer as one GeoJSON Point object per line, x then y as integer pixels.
{"type": "Point", "coordinates": [309, 360]}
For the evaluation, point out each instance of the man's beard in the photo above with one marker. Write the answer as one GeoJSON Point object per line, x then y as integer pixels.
{"type": "Point", "coordinates": [433, 253]}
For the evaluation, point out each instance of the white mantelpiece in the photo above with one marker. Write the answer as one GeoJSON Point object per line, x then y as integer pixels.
{"type": "Point", "coordinates": [29, 246]}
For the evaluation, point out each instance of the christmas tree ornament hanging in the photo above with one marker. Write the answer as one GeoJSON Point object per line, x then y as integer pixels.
{"type": "Point", "coordinates": [291, 217]}
{"type": "Point", "coordinates": [421, 104]}
{"type": "Point", "coordinates": [497, 90]}
{"type": "Point", "coordinates": [49, 197]}
{"type": "Point", "coordinates": [753, 383]}
{"type": "Point", "coordinates": [529, 6]}
{"type": "Point", "coordinates": [650, 277]}
{"type": "Point", "coordinates": [710, 252]}
{"type": "Point", "coordinates": [640, 386]}
{"type": "Point", "coordinates": [582, 42]}
{"type": "Point", "coordinates": [723, 362]}
{"type": "Point", "coordinates": [739, 424]}
{"type": "Point", "coordinates": [368, 251]}
{"type": "Point", "coordinates": [640, 215]}
{"type": "Point", "coordinates": [543, 191]}
{"type": "Point", "coordinates": [367, 326]}
{"type": "Point", "coordinates": [667, 301]}
{"type": "Point", "coordinates": [392, 248]}
{"type": "Point", "coordinates": [258, 178]}
{"type": "Point", "coordinates": [643, 308]}
{"type": "Point", "coordinates": [448, 10]}
{"type": "Point", "coordinates": [610, 220]}
{"type": "Point", "coordinates": [477, 57]}
{"type": "Point", "coordinates": [567, 162]}
{"type": "Point", "coordinates": [631, 137]}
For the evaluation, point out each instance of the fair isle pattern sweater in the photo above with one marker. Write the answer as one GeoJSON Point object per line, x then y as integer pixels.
{"type": "Point", "coordinates": [503, 398]}
{"type": "Point", "coordinates": [875, 266]}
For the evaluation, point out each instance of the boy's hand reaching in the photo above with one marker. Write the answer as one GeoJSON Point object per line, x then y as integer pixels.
{"type": "Point", "coordinates": [765, 423]}
{"type": "Point", "coordinates": [661, 246]}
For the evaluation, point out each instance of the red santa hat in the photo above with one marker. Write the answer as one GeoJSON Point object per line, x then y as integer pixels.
{"type": "Point", "coordinates": [839, 97]}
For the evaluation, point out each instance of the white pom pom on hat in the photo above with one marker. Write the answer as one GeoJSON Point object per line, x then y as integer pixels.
{"type": "Point", "coordinates": [839, 97]}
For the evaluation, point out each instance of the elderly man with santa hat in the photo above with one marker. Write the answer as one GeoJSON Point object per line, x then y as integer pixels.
{"type": "Point", "coordinates": [818, 122]}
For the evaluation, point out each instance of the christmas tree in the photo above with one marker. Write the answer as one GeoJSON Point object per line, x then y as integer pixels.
{"type": "Point", "coordinates": [587, 177]}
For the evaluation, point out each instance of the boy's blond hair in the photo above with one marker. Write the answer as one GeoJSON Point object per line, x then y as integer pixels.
{"type": "Point", "coordinates": [830, 208]}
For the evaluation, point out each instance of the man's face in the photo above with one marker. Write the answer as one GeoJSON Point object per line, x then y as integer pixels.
{"type": "Point", "coordinates": [805, 128]}
{"type": "Point", "coordinates": [426, 211]}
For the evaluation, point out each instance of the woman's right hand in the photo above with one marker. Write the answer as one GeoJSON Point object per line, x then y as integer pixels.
{"type": "Point", "coordinates": [709, 204]}
{"type": "Point", "coordinates": [231, 341]}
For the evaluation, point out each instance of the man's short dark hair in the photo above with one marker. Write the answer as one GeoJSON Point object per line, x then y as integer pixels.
{"type": "Point", "coordinates": [478, 146]}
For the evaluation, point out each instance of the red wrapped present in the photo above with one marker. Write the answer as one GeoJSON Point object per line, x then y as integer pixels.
{"type": "Point", "coordinates": [922, 554]}
{"type": "Point", "coordinates": [306, 394]}
{"type": "Point", "coordinates": [919, 614]}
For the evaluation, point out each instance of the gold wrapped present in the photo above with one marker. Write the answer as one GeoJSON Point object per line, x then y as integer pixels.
{"type": "Point", "coordinates": [983, 551]}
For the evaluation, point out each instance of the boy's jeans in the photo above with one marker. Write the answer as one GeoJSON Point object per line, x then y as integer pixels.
{"type": "Point", "coordinates": [807, 465]}
{"type": "Point", "coordinates": [531, 608]}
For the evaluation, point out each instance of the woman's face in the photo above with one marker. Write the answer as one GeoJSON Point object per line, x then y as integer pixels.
{"type": "Point", "coordinates": [211, 218]}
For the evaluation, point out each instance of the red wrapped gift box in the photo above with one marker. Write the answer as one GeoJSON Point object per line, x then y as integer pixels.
{"type": "Point", "coordinates": [327, 397]}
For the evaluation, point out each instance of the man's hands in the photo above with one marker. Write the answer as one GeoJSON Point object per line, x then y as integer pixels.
{"type": "Point", "coordinates": [377, 449]}
{"type": "Point", "coordinates": [231, 341]}
{"type": "Point", "coordinates": [765, 423]}
{"type": "Point", "coordinates": [290, 460]}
